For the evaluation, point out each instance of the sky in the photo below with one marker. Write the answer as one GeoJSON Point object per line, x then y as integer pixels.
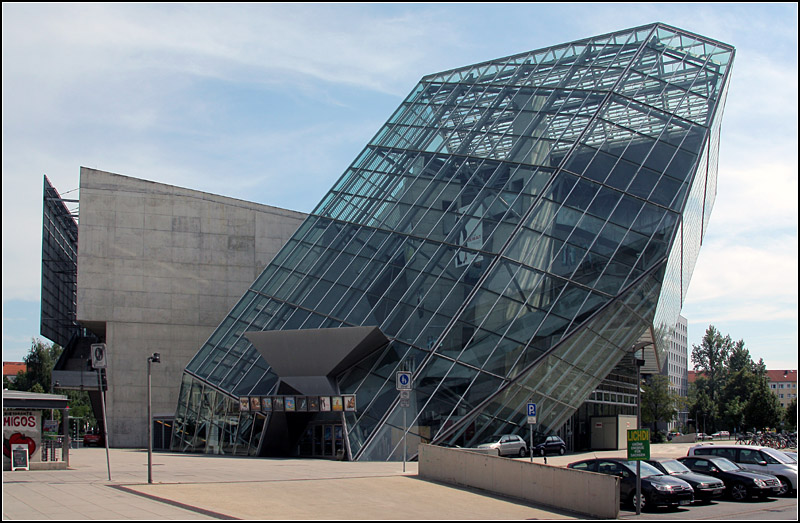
{"type": "Point", "coordinates": [272, 102]}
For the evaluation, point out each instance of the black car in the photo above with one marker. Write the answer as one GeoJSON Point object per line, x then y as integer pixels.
{"type": "Point", "coordinates": [551, 445]}
{"type": "Point", "coordinates": [705, 487]}
{"type": "Point", "coordinates": [657, 488]}
{"type": "Point", "coordinates": [739, 483]}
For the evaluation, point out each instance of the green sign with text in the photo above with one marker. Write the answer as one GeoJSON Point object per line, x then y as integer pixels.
{"type": "Point", "coordinates": [639, 444]}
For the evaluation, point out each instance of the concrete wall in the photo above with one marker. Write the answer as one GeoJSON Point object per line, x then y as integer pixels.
{"type": "Point", "coordinates": [586, 493]}
{"type": "Point", "coordinates": [158, 268]}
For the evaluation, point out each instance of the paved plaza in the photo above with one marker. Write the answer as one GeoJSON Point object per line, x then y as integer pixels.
{"type": "Point", "coordinates": [195, 487]}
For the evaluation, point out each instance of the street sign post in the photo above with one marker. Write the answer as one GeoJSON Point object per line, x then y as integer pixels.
{"type": "Point", "coordinates": [531, 423]}
{"type": "Point", "coordinates": [639, 444]}
{"type": "Point", "coordinates": [639, 450]}
{"type": "Point", "coordinates": [403, 380]}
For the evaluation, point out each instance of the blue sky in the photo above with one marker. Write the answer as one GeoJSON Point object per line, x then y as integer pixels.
{"type": "Point", "coordinates": [271, 102]}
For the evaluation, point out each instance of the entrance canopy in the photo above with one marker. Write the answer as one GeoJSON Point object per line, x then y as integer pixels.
{"type": "Point", "coordinates": [306, 359]}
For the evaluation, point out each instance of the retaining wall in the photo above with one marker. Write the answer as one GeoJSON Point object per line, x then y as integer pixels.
{"type": "Point", "coordinates": [586, 493]}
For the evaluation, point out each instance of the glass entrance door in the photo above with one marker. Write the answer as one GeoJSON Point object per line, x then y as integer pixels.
{"type": "Point", "coordinates": [323, 440]}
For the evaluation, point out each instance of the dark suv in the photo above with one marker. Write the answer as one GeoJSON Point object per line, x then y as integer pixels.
{"type": "Point", "coordinates": [657, 488]}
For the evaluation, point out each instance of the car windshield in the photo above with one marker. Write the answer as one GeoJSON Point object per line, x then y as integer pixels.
{"type": "Point", "coordinates": [674, 466]}
{"type": "Point", "coordinates": [494, 439]}
{"type": "Point", "coordinates": [725, 464]}
{"type": "Point", "coordinates": [647, 469]}
{"type": "Point", "coordinates": [780, 456]}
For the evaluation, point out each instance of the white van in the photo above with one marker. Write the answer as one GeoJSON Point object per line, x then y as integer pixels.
{"type": "Point", "coordinates": [759, 459]}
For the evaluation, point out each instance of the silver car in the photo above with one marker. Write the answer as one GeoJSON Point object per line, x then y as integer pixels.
{"type": "Point", "coordinates": [506, 445]}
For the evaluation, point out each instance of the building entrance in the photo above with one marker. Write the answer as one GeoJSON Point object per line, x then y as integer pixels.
{"type": "Point", "coordinates": [322, 440]}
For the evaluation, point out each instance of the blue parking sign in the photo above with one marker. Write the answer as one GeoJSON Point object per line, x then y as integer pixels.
{"type": "Point", "coordinates": [531, 409]}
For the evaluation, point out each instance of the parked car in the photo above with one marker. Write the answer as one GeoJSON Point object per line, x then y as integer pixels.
{"type": "Point", "coordinates": [550, 445]}
{"type": "Point", "coordinates": [506, 445]}
{"type": "Point", "coordinates": [756, 458]}
{"type": "Point", "coordinates": [94, 438]}
{"type": "Point", "coordinates": [723, 434]}
{"type": "Point", "coordinates": [702, 436]}
{"type": "Point", "coordinates": [740, 484]}
{"type": "Point", "coordinates": [657, 488]}
{"type": "Point", "coordinates": [706, 488]}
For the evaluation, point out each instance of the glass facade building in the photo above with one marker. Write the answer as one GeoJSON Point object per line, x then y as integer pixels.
{"type": "Point", "coordinates": [513, 230]}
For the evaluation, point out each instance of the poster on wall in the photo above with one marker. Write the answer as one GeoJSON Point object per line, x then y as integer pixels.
{"type": "Point", "coordinates": [324, 404]}
{"type": "Point", "coordinates": [288, 403]}
{"type": "Point", "coordinates": [277, 404]}
{"type": "Point", "coordinates": [244, 404]}
{"type": "Point", "coordinates": [22, 427]}
{"type": "Point", "coordinates": [313, 404]}
{"type": "Point", "coordinates": [302, 404]}
{"type": "Point", "coordinates": [336, 403]}
{"type": "Point", "coordinates": [266, 404]}
{"type": "Point", "coordinates": [255, 404]}
{"type": "Point", "coordinates": [349, 403]}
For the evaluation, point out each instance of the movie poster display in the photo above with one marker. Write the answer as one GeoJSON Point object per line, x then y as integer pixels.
{"type": "Point", "coordinates": [288, 403]}
{"type": "Point", "coordinates": [302, 404]}
{"type": "Point", "coordinates": [313, 404]}
{"type": "Point", "coordinates": [336, 403]}
{"type": "Point", "coordinates": [255, 404]}
{"type": "Point", "coordinates": [266, 404]}
{"type": "Point", "coordinates": [324, 404]}
{"type": "Point", "coordinates": [349, 403]}
{"type": "Point", "coordinates": [244, 404]}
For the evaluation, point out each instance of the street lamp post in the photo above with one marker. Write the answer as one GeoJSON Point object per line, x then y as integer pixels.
{"type": "Point", "coordinates": [155, 358]}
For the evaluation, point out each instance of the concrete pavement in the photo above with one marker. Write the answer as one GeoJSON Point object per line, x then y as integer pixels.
{"type": "Point", "coordinates": [193, 486]}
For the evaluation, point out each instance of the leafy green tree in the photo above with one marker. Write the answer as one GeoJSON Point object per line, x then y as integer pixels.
{"type": "Point", "coordinates": [790, 416]}
{"type": "Point", "coordinates": [659, 404]}
{"type": "Point", "coordinates": [739, 358]}
{"type": "Point", "coordinates": [40, 360]}
{"type": "Point", "coordinates": [763, 408]}
{"type": "Point", "coordinates": [711, 358]}
{"type": "Point", "coordinates": [702, 407]}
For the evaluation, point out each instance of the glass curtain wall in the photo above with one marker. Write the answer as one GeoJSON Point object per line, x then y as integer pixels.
{"type": "Point", "coordinates": [513, 229]}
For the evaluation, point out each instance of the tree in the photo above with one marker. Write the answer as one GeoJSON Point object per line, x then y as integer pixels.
{"type": "Point", "coordinates": [702, 408]}
{"type": "Point", "coordinates": [711, 358]}
{"type": "Point", "coordinates": [658, 402]}
{"type": "Point", "coordinates": [763, 408]}
{"type": "Point", "coordinates": [790, 416]}
{"type": "Point", "coordinates": [40, 360]}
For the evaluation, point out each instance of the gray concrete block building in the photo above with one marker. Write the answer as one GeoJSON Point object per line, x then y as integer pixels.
{"type": "Point", "coordinates": [157, 266]}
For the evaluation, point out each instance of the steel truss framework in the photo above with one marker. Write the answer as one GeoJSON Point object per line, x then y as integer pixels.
{"type": "Point", "coordinates": [513, 229]}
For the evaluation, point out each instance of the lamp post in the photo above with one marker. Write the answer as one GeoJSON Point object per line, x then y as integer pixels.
{"type": "Point", "coordinates": [155, 358]}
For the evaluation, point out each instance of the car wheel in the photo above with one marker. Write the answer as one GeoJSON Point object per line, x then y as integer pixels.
{"type": "Point", "coordinates": [561, 451]}
{"type": "Point", "coordinates": [541, 452]}
{"type": "Point", "coordinates": [645, 504]}
{"type": "Point", "coordinates": [739, 491]}
{"type": "Point", "coordinates": [785, 486]}
{"type": "Point", "coordinates": [523, 452]}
